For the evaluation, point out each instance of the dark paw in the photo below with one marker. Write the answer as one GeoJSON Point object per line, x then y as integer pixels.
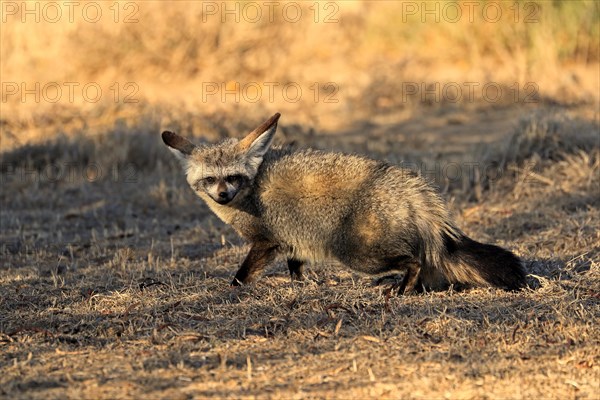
{"type": "Point", "coordinates": [297, 277]}
{"type": "Point", "coordinates": [416, 288]}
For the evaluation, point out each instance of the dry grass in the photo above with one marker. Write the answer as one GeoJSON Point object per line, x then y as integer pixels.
{"type": "Point", "coordinates": [114, 276]}
{"type": "Point", "coordinates": [122, 290]}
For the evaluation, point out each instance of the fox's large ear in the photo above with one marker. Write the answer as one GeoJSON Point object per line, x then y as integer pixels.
{"type": "Point", "coordinates": [259, 140]}
{"type": "Point", "coordinates": [180, 146]}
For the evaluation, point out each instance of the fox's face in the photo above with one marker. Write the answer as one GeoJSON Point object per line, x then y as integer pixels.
{"type": "Point", "coordinates": [226, 170]}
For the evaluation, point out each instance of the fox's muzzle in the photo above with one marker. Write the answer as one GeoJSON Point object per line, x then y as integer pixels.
{"type": "Point", "coordinates": [223, 193]}
{"type": "Point", "coordinates": [223, 199]}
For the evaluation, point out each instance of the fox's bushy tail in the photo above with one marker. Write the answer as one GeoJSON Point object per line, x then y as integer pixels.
{"type": "Point", "coordinates": [468, 261]}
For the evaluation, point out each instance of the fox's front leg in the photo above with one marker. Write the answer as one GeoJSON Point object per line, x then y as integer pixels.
{"type": "Point", "coordinates": [257, 259]}
{"type": "Point", "coordinates": [296, 268]}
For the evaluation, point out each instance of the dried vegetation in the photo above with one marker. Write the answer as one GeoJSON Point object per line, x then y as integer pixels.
{"type": "Point", "coordinates": [114, 277]}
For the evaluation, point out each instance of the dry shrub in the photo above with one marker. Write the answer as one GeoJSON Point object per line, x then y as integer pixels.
{"type": "Point", "coordinates": [374, 47]}
{"type": "Point", "coordinates": [551, 137]}
{"type": "Point", "coordinates": [539, 141]}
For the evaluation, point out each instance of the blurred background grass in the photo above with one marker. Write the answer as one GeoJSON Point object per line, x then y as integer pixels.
{"type": "Point", "coordinates": [169, 58]}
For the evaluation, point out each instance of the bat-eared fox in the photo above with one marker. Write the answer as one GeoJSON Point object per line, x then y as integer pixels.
{"type": "Point", "coordinates": [310, 205]}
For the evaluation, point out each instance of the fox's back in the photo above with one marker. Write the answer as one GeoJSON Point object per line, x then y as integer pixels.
{"type": "Point", "coordinates": [313, 200]}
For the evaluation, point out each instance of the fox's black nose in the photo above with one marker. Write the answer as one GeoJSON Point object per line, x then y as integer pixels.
{"type": "Point", "coordinates": [223, 195]}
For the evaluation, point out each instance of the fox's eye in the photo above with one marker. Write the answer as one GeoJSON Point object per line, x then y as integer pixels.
{"type": "Point", "coordinates": [210, 180]}
{"type": "Point", "coordinates": [233, 178]}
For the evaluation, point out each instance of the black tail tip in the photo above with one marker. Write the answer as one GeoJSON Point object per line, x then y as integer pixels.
{"type": "Point", "coordinates": [497, 266]}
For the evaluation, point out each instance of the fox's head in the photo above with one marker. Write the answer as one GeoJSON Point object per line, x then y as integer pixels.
{"type": "Point", "coordinates": [224, 170]}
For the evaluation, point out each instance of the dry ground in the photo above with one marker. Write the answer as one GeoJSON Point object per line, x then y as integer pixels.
{"type": "Point", "coordinates": [114, 277]}
{"type": "Point", "coordinates": [116, 285]}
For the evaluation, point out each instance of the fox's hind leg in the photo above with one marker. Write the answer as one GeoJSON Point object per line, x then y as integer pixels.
{"type": "Point", "coordinates": [412, 272]}
{"type": "Point", "coordinates": [409, 282]}
{"type": "Point", "coordinates": [406, 285]}
{"type": "Point", "coordinates": [397, 264]}
{"type": "Point", "coordinates": [296, 268]}
{"type": "Point", "coordinates": [260, 255]}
